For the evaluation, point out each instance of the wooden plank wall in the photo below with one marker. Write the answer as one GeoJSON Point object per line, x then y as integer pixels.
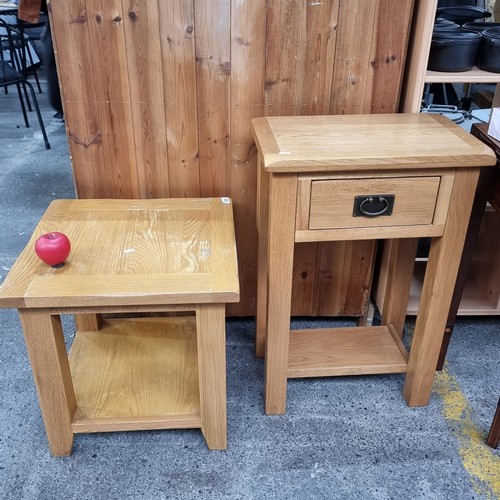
{"type": "Point", "coordinates": [159, 94]}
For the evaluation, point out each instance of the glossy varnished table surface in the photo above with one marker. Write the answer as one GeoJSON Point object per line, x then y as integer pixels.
{"type": "Point", "coordinates": [130, 252]}
{"type": "Point", "coordinates": [313, 172]}
{"type": "Point", "coordinates": [126, 373]}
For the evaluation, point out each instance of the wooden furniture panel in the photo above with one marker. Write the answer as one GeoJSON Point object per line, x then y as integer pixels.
{"type": "Point", "coordinates": [286, 151]}
{"type": "Point", "coordinates": [332, 201]}
{"type": "Point", "coordinates": [345, 351]}
{"type": "Point", "coordinates": [130, 256]}
{"type": "Point", "coordinates": [158, 98]}
{"type": "Point", "coordinates": [135, 368]}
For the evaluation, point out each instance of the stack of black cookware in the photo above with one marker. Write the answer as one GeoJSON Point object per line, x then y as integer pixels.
{"type": "Point", "coordinates": [461, 40]}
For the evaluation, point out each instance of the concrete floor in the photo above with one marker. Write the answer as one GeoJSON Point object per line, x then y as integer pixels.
{"type": "Point", "coordinates": [344, 437]}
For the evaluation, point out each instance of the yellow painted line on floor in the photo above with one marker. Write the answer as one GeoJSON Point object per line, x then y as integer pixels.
{"type": "Point", "coordinates": [478, 459]}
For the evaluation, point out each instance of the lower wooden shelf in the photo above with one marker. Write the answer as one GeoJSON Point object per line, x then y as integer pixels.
{"type": "Point", "coordinates": [345, 351]}
{"type": "Point", "coordinates": [136, 374]}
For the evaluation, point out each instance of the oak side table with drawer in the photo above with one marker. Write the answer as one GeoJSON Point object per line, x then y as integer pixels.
{"type": "Point", "coordinates": [125, 372]}
{"type": "Point", "coordinates": [355, 177]}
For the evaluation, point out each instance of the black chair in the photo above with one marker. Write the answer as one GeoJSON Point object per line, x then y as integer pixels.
{"type": "Point", "coordinates": [24, 46]}
{"type": "Point", "coordinates": [10, 75]}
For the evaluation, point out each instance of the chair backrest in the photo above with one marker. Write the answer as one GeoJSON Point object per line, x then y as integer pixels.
{"type": "Point", "coordinates": [10, 49]}
{"type": "Point", "coordinates": [8, 68]}
{"type": "Point", "coordinates": [14, 41]}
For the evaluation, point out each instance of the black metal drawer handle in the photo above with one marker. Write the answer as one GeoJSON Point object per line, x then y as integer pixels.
{"type": "Point", "coordinates": [373, 205]}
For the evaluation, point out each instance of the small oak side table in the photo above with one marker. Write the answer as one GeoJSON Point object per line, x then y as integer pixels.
{"type": "Point", "coordinates": [353, 177]}
{"type": "Point", "coordinates": [126, 373]}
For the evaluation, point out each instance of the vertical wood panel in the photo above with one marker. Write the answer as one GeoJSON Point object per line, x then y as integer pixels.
{"type": "Point", "coordinates": [300, 49]}
{"type": "Point", "coordinates": [391, 43]}
{"type": "Point", "coordinates": [143, 51]}
{"type": "Point", "coordinates": [350, 265]}
{"type": "Point", "coordinates": [353, 72]}
{"type": "Point", "coordinates": [248, 35]}
{"type": "Point", "coordinates": [72, 48]}
{"type": "Point", "coordinates": [107, 43]}
{"type": "Point", "coordinates": [284, 46]}
{"type": "Point", "coordinates": [213, 70]}
{"type": "Point", "coordinates": [318, 57]}
{"type": "Point", "coordinates": [177, 34]}
{"type": "Point", "coordinates": [304, 296]}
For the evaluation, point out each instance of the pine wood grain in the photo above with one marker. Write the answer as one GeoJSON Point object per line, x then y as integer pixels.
{"type": "Point", "coordinates": [391, 34]}
{"type": "Point", "coordinates": [111, 79]}
{"type": "Point", "coordinates": [353, 73]}
{"type": "Point", "coordinates": [213, 72]}
{"type": "Point", "coordinates": [177, 38]}
{"type": "Point", "coordinates": [70, 31]}
{"type": "Point", "coordinates": [145, 75]}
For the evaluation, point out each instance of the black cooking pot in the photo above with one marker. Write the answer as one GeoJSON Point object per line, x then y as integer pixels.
{"type": "Point", "coordinates": [479, 26]}
{"type": "Point", "coordinates": [489, 53]}
{"type": "Point", "coordinates": [443, 25]}
{"type": "Point", "coordinates": [454, 51]}
{"type": "Point", "coordinates": [462, 14]}
{"type": "Point", "coordinates": [454, 3]}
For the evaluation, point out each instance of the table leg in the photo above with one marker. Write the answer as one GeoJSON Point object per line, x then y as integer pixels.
{"type": "Point", "coordinates": [49, 361]}
{"type": "Point", "coordinates": [399, 277]}
{"type": "Point", "coordinates": [262, 269]}
{"type": "Point", "coordinates": [468, 251]}
{"type": "Point", "coordinates": [439, 282]}
{"type": "Point", "coordinates": [88, 322]}
{"type": "Point", "coordinates": [211, 340]}
{"type": "Point", "coordinates": [281, 217]}
{"type": "Point", "coordinates": [494, 434]}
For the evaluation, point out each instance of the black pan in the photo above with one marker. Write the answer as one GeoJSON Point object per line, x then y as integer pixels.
{"type": "Point", "coordinates": [463, 14]}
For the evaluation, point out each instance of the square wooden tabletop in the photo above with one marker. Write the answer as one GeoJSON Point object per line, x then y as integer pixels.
{"type": "Point", "coordinates": [339, 143]}
{"type": "Point", "coordinates": [131, 252]}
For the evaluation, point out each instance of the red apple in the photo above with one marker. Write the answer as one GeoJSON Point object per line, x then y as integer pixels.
{"type": "Point", "coordinates": [53, 248]}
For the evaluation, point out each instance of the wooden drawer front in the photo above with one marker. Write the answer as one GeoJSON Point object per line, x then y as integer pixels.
{"type": "Point", "coordinates": [332, 201]}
